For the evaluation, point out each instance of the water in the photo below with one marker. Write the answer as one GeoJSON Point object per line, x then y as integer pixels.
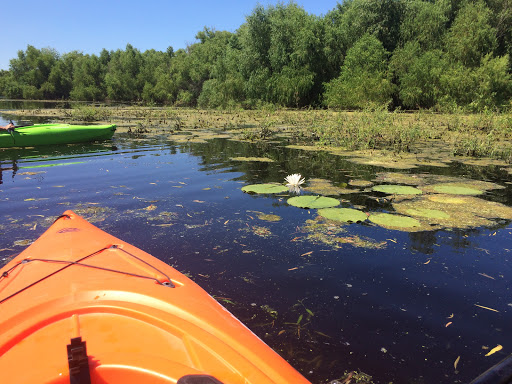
{"type": "Point", "coordinates": [404, 313]}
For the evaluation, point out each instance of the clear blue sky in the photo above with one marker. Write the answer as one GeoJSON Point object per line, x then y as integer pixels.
{"type": "Point", "coordinates": [91, 25]}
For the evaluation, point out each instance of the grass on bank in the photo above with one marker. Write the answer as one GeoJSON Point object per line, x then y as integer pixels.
{"type": "Point", "coordinates": [486, 134]}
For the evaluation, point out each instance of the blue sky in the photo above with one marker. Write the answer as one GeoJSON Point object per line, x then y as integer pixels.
{"type": "Point", "coordinates": [89, 26]}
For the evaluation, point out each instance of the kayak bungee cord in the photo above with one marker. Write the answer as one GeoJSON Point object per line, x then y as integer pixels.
{"type": "Point", "coordinates": [5, 275]}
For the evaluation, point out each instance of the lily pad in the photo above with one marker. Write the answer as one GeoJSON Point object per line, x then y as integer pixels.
{"type": "Point", "coordinates": [397, 189]}
{"type": "Point", "coordinates": [264, 188]}
{"type": "Point", "coordinates": [310, 201]}
{"type": "Point", "coordinates": [388, 220]}
{"type": "Point", "coordinates": [428, 213]}
{"type": "Point", "coordinates": [342, 214]}
{"type": "Point", "coordinates": [453, 189]}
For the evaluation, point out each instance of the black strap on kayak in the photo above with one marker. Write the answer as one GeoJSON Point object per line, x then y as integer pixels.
{"type": "Point", "coordinates": [78, 362]}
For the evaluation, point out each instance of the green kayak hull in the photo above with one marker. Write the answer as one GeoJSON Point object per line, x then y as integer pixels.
{"type": "Point", "coordinates": [49, 134]}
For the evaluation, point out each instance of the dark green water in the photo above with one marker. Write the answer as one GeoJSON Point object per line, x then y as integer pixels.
{"type": "Point", "coordinates": [382, 311]}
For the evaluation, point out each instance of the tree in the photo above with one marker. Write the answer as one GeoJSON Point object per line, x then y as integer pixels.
{"type": "Point", "coordinates": [380, 18]}
{"type": "Point", "coordinates": [418, 74]}
{"type": "Point", "coordinates": [88, 78]}
{"type": "Point", "coordinates": [280, 45]}
{"type": "Point", "coordinates": [363, 79]}
{"type": "Point", "coordinates": [424, 22]}
{"type": "Point", "coordinates": [471, 35]}
{"type": "Point", "coordinates": [122, 78]}
{"type": "Point", "coordinates": [32, 68]}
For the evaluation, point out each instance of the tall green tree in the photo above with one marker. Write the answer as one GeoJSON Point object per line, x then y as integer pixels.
{"type": "Point", "coordinates": [418, 74]}
{"type": "Point", "coordinates": [280, 56]}
{"type": "Point", "coordinates": [364, 77]}
{"type": "Point", "coordinates": [89, 78]}
{"type": "Point", "coordinates": [471, 35]}
{"type": "Point", "coordinates": [424, 22]}
{"type": "Point", "coordinates": [122, 79]}
{"type": "Point", "coordinates": [32, 68]}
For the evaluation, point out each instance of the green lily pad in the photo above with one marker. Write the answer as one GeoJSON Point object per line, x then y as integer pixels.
{"type": "Point", "coordinates": [342, 214]}
{"type": "Point", "coordinates": [388, 220]}
{"type": "Point", "coordinates": [456, 190]}
{"type": "Point", "coordinates": [397, 189]}
{"type": "Point", "coordinates": [428, 213]}
{"type": "Point", "coordinates": [264, 188]}
{"type": "Point", "coordinates": [313, 201]}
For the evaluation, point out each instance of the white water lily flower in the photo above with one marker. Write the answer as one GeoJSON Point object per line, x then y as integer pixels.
{"type": "Point", "coordinates": [294, 181]}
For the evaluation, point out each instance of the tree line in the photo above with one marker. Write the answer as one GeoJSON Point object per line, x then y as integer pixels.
{"type": "Point", "coordinates": [409, 54]}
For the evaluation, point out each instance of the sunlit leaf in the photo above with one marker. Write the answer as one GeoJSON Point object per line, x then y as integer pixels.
{"type": "Point", "coordinates": [489, 309]}
{"type": "Point", "coordinates": [313, 201]}
{"type": "Point", "coordinates": [264, 188]}
{"type": "Point", "coordinates": [343, 214]}
{"type": "Point", "coordinates": [494, 350]}
{"type": "Point", "coordinates": [456, 362]}
{"type": "Point", "coordinates": [389, 220]}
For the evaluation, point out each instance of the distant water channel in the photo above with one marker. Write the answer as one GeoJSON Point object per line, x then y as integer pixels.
{"type": "Point", "coordinates": [419, 307]}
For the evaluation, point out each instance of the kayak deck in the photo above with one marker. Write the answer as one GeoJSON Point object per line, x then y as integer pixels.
{"type": "Point", "coordinates": [142, 321]}
{"type": "Point", "coordinates": [49, 134]}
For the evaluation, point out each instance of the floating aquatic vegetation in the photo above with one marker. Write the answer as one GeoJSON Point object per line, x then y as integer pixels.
{"type": "Point", "coordinates": [399, 178]}
{"type": "Point", "coordinates": [453, 189]}
{"type": "Point", "coordinates": [428, 213]}
{"type": "Point", "coordinates": [22, 243]}
{"type": "Point", "coordinates": [264, 188]}
{"type": "Point", "coordinates": [260, 159]}
{"type": "Point", "coordinates": [325, 187]}
{"type": "Point", "coordinates": [397, 189]}
{"type": "Point", "coordinates": [343, 214]}
{"type": "Point", "coordinates": [360, 183]}
{"type": "Point", "coordinates": [481, 162]}
{"type": "Point", "coordinates": [450, 211]}
{"type": "Point", "coordinates": [447, 199]}
{"type": "Point", "coordinates": [459, 186]}
{"type": "Point", "coordinates": [258, 230]}
{"type": "Point", "coordinates": [310, 201]}
{"type": "Point", "coordinates": [268, 217]}
{"type": "Point", "coordinates": [386, 159]}
{"type": "Point", "coordinates": [93, 213]}
{"type": "Point", "coordinates": [30, 173]}
{"type": "Point", "coordinates": [384, 163]}
{"type": "Point", "coordinates": [308, 147]}
{"type": "Point", "coordinates": [392, 221]}
{"type": "Point", "coordinates": [328, 232]}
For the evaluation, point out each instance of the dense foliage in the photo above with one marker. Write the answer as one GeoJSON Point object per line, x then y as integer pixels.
{"type": "Point", "coordinates": [441, 54]}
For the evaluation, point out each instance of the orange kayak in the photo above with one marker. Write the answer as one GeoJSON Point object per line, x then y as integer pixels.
{"type": "Point", "coordinates": [81, 306]}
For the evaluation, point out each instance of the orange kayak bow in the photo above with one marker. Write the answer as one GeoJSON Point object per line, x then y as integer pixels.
{"type": "Point", "coordinates": [81, 306]}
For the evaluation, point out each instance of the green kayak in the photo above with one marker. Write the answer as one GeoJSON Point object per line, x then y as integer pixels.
{"type": "Point", "coordinates": [48, 134]}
